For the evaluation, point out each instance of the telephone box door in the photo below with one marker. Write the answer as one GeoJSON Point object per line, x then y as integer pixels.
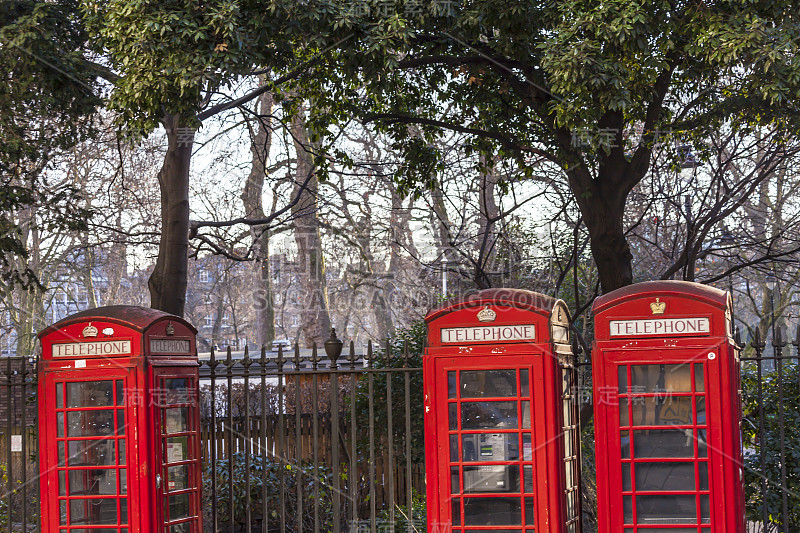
{"type": "Point", "coordinates": [175, 392]}
{"type": "Point", "coordinates": [87, 441]}
{"type": "Point", "coordinates": [491, 464]}
{"type": "Point", "coordinates": [660, 412]}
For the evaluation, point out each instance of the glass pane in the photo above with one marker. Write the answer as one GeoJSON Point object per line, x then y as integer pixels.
{"type": "Point", "coordinates": [490, 447]}
{"type": "Point", "coordinates": [660, 378]}
{"type": "Point", "coordinates": [455, 481]}
{"type": "Point", "coordinates": [178, 477]}
{"type": "Point", "coordinates": [701, 443]}
{"type": "Point", "coordinates": [60, 424]}
{"type": "Point", "coordinates": [527, 448]}
{"type": "Point", "coordinates": [452, 388]}
{"type": "Point", "coordinates": [662, 411]}
{"type": "Point", "coordinates": [703, 471]}
{"type": "Point", "coordinates": [524, 383]}
{"type": "Point", "coordinates": [492, 512]}
{"type": "Point", "coordinates": [491, 478]}
{"type": "Point", "coordinates": [62, 483]}
{"type": "Point", "coordinates": [664, 476]}
{"type": "Point", "coordinates": [90, 423]}
{"type": "Point", "coordinates": [529, 512]}
{"type": "Point", "coordinates": [626, 477]}
{"type": "Point", "coordinates": [120, 422]}
{"type": "Point", "coordinates": [705, 510]}
{"type": "Point", "coordinates": [701, 411]}
{"type": "Point", "coordinates": [488, 383]}
{"type": "Point", "coordinates": [90, 394]}
{"type": "Point", "coordinates": [184, 527]}
{"type": "Point", "coordinates": [59, 395]}
{"type": "Point", "coordinates": [178, 390]}
{"type": "Point", "coordinates": [625, 444]}
{"type": "Point", "coordinates": [93, 511]}
{"type": "Point", "coordinates": [528, 478]}
{"type": "Point", "coordinates": [622, 376]}
{"type": "Point", "coordinates": [627, 509]}
{"type": "Point", "coordinates": [90, 452]}
{"type": "Point", "coordinates": [120, 393]}
{"type": "Point", "coordinates": [61, 453]}
{"type": "Point", "coordinates": [699, 383]}
{"type": "Point", "coordinates": [488, 415]}
{"type": "Point", "coordinates": [123, 481]}
{"type": "Point", "coordinates": [453, 448]}
{"type": "Point", "coordinates": [663, 443]}
{"type": "Point", "coordinates": [179, 506]}
{"type": "Point", "coordinates": [452, 410]}
{"type": "Point", "coordinates": [666, 509]}
{"type": "Point", "coordinates": [88, 482]}
{"type": "Point", "coordinates": [623, 412]}
{"type": "Point", "coordinates": [177, 449]}
{"type": "Point", "coordinates": [456, 509]}
{"type": "Point", "coordinates": [62, 513]}
{"type": "Point", "coordinates": [123, 510]}
{"type": "Point", "coordinates": [176, 420]}
{"type": "Point", "coordinates": [121, 451]}
{"type": "Point", "coordinates": [526, 415]}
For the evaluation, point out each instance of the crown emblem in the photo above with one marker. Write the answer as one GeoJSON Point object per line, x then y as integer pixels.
{"type": "Point", "coordinates": [487, 315]}
{"type": "Point", "coordinates": [90, 331]}
{"type": "Point", "coordinates": [170, 329]}
{"type": "Point", "coordinates": [658, 307]}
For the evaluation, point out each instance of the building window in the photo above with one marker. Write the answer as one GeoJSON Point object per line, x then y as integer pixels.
{"type": "Point", "coordinates": [203, 275]}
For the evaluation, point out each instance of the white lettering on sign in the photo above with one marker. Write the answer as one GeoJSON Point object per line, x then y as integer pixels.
{"type": "Point", "coordinates": [180, 346]}
{"type": "Point", "coordinates": [660, 326]}
{"type": "Point", "coordinates": [16, 443]}
{"type": "Point", "coordinates": [81, 349]}
{"type": "Point", "coordinates": [519, 332]}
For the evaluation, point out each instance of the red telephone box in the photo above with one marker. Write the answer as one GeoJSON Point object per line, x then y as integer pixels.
{"type": "Point", "coordinates": [501, 430]}
{"type": "Point", "coordinates": [667, 411]}
{"type": "Point", "coordinates": [119, 423]}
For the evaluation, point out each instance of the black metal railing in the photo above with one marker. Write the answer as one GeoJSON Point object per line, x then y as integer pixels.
{"type": "Point", "coordinates": [295, 442]}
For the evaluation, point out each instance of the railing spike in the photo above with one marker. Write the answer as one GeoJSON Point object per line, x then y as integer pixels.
{"type": "Point", "coordinates": [737, 337]}
{"type": "Point", "coordinates": [757, 338]}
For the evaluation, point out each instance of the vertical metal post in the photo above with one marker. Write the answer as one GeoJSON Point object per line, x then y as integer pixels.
{"type": "Point", "coordinates": [212, 365]}
{"type": "Point", "coordinates": [24, 461]}
{"type": "Point", "coordinates": [334, 391]}
{"type": "Point", "coordinates": [778, 345]}
{"type": "Point", "coordinates": [9, 429]}
{"type": "Point", "coordinates": [758, 345]}
{"type": "Point", "coordinates": [298, 436]}
{"type": "Point", "coordinates": [246, 362]}
{"type": "Point", "coordinates": [232, 508]}
{"type": "Point", "coordinates": [315, 430]}
{"type": "Point", "coordinates": [390, 431]}
{"type": "Point", "coordinates": [282, 461]}
{"type": "Point", "coordinates": [409, 477]}
{"type": "Point", "coordinates": [352, 476]}
{"type": "Point", "coordinates": [264, 449]}
{"type": "Point", "coordinates": [371, 404]}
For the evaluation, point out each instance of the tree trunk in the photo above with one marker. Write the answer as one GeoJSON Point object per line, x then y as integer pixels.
{"type": "Point", "coordinates": [169, 278]}
{"type": "Point", "coordinates": [487, 183]}
{"type": "Point", "coordinates": [602, 203]}
{"type": "Point", "coordinates": [315, 319]}
{"type": "Point", "coordinates": [252, 198]}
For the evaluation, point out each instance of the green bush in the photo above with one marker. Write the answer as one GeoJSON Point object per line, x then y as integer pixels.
{"type": "Point", "coordinates": [292, 475]}
{"type": "Point", "coordinates": [772, 498]}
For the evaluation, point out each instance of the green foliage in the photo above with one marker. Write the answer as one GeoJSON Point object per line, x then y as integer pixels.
{"type": "Point", "coordinates": [292, 475]}
{"type": "Point", "coordinates": [48, 99]}
{"type": "Point", "coordinates": [413, 339]}
{"type": "Point", "coordinates": [756, 497]}
{"type": "Point", "coordinates": [415, 523]}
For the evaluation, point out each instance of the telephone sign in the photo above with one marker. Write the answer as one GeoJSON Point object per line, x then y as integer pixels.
{"type": "Point", "coordinates": [667, 411]}
{"type": "Point", "coordinates": [501, 431]}
{"type": "Point", "coordinates": [119, 423]}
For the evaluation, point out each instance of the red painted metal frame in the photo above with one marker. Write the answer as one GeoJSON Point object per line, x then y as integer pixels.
{"type": "Point", "coordinates": [716, 351]}
{"type": "Point", "coordinates": [143, 435]}
{"type": "Point", "coordinates": [547, 418]}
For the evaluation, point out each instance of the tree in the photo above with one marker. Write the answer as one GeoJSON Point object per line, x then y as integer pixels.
{"type": "Point", "coordinates": [567, 82]}
{"type": "Point", "coordinates": [48, 97]}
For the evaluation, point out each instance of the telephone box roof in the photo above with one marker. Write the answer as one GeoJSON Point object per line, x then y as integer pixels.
{"type": "Point", "coordinates": [134, 317]}
{"type": "Point", "coordinates": [696, 291]}
{"type": "Point", "coordinates": [519, 298]}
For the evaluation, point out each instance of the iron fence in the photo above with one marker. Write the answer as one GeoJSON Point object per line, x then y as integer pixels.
{"type": "Point", "coordinates": [295, 442]}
